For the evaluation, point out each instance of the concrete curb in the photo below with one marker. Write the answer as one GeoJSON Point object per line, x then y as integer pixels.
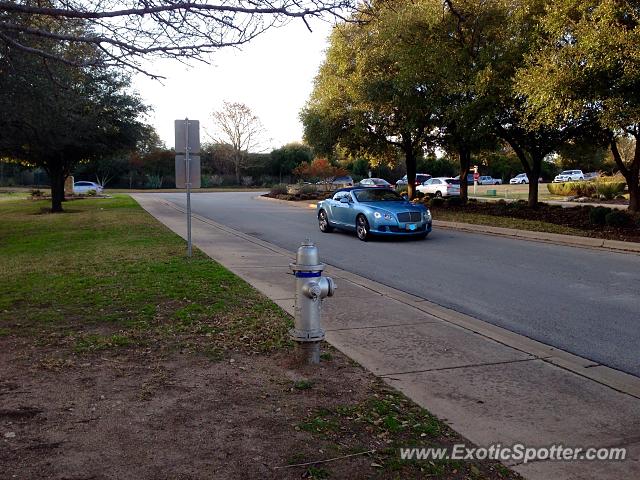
{"type": "Point", "coordinates": [555, 238]}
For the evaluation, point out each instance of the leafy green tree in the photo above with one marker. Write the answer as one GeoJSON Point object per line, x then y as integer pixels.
{"type": "Point", "coordinates": [55, 117]}
{"type": "Point", "coordinates": [284, 159]}
{"type": "Point", "coordinates": [365, 99]}
{"type": "Point", "coordinates": [589, 67]}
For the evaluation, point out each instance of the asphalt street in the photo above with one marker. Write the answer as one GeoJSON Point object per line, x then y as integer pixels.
{"type": "Point", "coordinates": [583, 301]}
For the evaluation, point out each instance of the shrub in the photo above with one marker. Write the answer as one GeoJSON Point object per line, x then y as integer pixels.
{"type": "Point", "coordinates": [279, 189]}
{"type": "Point", "coordinates": [617, 218]}
{"type": "Point", "coordinates": [454, 201]}
{"type": "Point", "coordinates": [36, 193]}
{"type": "Point", "coordinates": [402, 189]}
{"type": "Point", "coordinates": [91, 193]}
{"type": "Point", "coordinates": [308, 189]}
{"type": "Point", "coordinates": [578, 189]}
{"type": "Point", "coordinates": [609, 189]}
{"type": "Point", "coordinates": [211, 181]}
{"type": "Point", "coordinates": [436, 202]}
{"type": "Point", "coordinates": [246, 181]}
{"type": "Point", "coordinates": [597, 215]}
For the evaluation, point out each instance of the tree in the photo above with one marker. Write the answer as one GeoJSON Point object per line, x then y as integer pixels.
{"type": "Point", "coordinates": [365, 99]}
{"type": "Point", "coordinates": [589, 66]}
{"type": "Point", "coordinates": [55, 117]}
{"type": "Point", "coordinates": [127, 32]}
{"type": "Point", "coordinates": [318, 169]}
{"type": "Point", "coordinates": [286, 158]}
{"type": "Point", "coordinates": [239, 127]}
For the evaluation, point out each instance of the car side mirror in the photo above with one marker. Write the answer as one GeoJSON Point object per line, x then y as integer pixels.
{"type": "Point", "coordinates": [344, 200]}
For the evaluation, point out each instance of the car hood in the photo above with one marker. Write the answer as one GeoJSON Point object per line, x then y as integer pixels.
{"type": "Point", "coordinates": [394, 207]}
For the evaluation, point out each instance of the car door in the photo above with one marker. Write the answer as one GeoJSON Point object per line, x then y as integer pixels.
{"type": "Point", "coordinates": [426, 186]}
{"type": "Point", "coordinates": [339, 209]}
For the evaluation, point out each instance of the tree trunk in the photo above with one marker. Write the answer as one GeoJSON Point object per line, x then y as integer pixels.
{"type": "Point", "coordinates": [465, 164]}
{"type": "Point", "coordinates": [630, 173]}
{"type": "Point", "coordinates": [410, 160]}
{"type": "Point", "coordinates": [534, 175]}
{"type": "Point", "coordinates": [57, 190]}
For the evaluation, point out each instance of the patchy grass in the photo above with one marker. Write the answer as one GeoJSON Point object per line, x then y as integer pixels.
{"type": "Point", "coordinates": [105, 275]}
{"type": "Point", "coordinates": [382, 424]}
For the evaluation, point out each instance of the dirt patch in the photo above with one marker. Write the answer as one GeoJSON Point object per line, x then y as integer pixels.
{"type": "Point", "coordinates": [138, 413]}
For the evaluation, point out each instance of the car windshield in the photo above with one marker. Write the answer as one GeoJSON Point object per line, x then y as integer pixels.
{"type": "Point", "coordinates": [377, 195]}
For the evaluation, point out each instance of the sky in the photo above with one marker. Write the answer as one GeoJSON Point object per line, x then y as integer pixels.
{"type": "Point", "coordinates": [273, 75]}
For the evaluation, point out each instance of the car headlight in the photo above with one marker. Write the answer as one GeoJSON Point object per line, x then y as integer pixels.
{"type": "Point", "coordinates": [426, 215]}
{"type": "Point", "coordinates": [387, 216]}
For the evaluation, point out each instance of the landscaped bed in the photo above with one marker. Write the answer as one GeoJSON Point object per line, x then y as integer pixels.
{"type": "Point", "coordinates": [589, 221]}
{"type": "Point", "coordinates": [120, 358]}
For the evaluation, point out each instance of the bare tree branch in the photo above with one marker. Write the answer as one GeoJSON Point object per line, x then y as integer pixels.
{"type": "Point", "coordinates": [128, 31]}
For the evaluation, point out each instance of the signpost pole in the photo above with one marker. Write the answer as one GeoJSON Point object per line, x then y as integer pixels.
{"type": "Point", "coordinates": [188, 185]}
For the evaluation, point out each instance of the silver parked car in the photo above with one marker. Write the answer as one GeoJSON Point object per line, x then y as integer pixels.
{"type": "Point", "coordinates": [489, 180]}
{"type": "Point", "coordinates": [519, 179]}
{"type": "Point", "coordinates": [375, 182]}
{"type": "Point", "coordinates": [83, 187]}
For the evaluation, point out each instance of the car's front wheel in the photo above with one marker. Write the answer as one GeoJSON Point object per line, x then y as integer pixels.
{"type": "Point", "coordinates": [323, 222]}
{"type": "Point", "coordinates": [362, 228]}
{"type": "Point", "coordinates": [438, 193]}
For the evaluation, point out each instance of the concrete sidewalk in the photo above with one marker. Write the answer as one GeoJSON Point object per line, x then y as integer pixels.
{"type": "Point", "coordinates": [489, 384]}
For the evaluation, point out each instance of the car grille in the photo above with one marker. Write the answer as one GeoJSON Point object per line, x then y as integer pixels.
{"type": "Point", "coordinates": [405, 217]}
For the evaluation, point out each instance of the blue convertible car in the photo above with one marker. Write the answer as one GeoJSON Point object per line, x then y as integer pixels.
{"type": "Point", "coordinates": [373, 211]}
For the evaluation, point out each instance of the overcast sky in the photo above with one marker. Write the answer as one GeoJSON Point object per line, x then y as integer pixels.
{"type": "Point", "coordinates": [273, 75]}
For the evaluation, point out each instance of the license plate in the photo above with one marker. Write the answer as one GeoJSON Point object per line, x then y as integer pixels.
{"type": "Point", "coordinates": [411, 226]}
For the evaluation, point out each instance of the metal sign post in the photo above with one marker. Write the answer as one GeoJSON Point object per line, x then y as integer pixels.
{"type": "Point", "coordinates": [187, 183]}
{"type": "Point", "coordinates": [188, 170]}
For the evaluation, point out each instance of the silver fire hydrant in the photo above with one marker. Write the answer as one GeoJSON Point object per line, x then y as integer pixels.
{"type": "Point", "coordinates": [311, 288]}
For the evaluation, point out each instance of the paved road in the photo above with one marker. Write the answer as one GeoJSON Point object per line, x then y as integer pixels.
{"type": "Point", "coordinates": [584, 301]}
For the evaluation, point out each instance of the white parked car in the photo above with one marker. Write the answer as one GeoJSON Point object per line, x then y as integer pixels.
{"type": "Point", "coordinates": [489, 180]}
{"type": "Point", "coordinates": [569, 176]}
{"type": "Point", "coordinates": [440, 187]}
{"type": "Point", "coordinates": [518, 179]}
{"type": "Point", "coordinates": [85, 187]}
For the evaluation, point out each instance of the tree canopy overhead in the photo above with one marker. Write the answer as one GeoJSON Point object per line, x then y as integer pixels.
{"type": "Point", "coordinates": [588, 65]}
{"type": "Point", "coordinates": [126, 31]}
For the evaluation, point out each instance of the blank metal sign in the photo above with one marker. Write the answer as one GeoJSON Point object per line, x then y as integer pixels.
{"type": "Point", "coordinates": [194, 171]}
{"type": "Point", "coordinates": [181, 136]}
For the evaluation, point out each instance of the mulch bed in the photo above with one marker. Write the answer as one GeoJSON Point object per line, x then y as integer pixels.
{"type": "Point", "coordinates": [573, 217]}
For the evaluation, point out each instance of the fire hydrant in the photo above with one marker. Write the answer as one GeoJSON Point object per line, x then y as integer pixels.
{"type": "Point", "coordinates": [311, 288]}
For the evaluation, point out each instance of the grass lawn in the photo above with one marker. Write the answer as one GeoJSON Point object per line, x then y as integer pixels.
{"type": "Point", "coordinates": [105, 273]}
{"type": "Point", "coordinates": [506, 222]}
{"type": "Point", "coordinates": [120, 358]}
